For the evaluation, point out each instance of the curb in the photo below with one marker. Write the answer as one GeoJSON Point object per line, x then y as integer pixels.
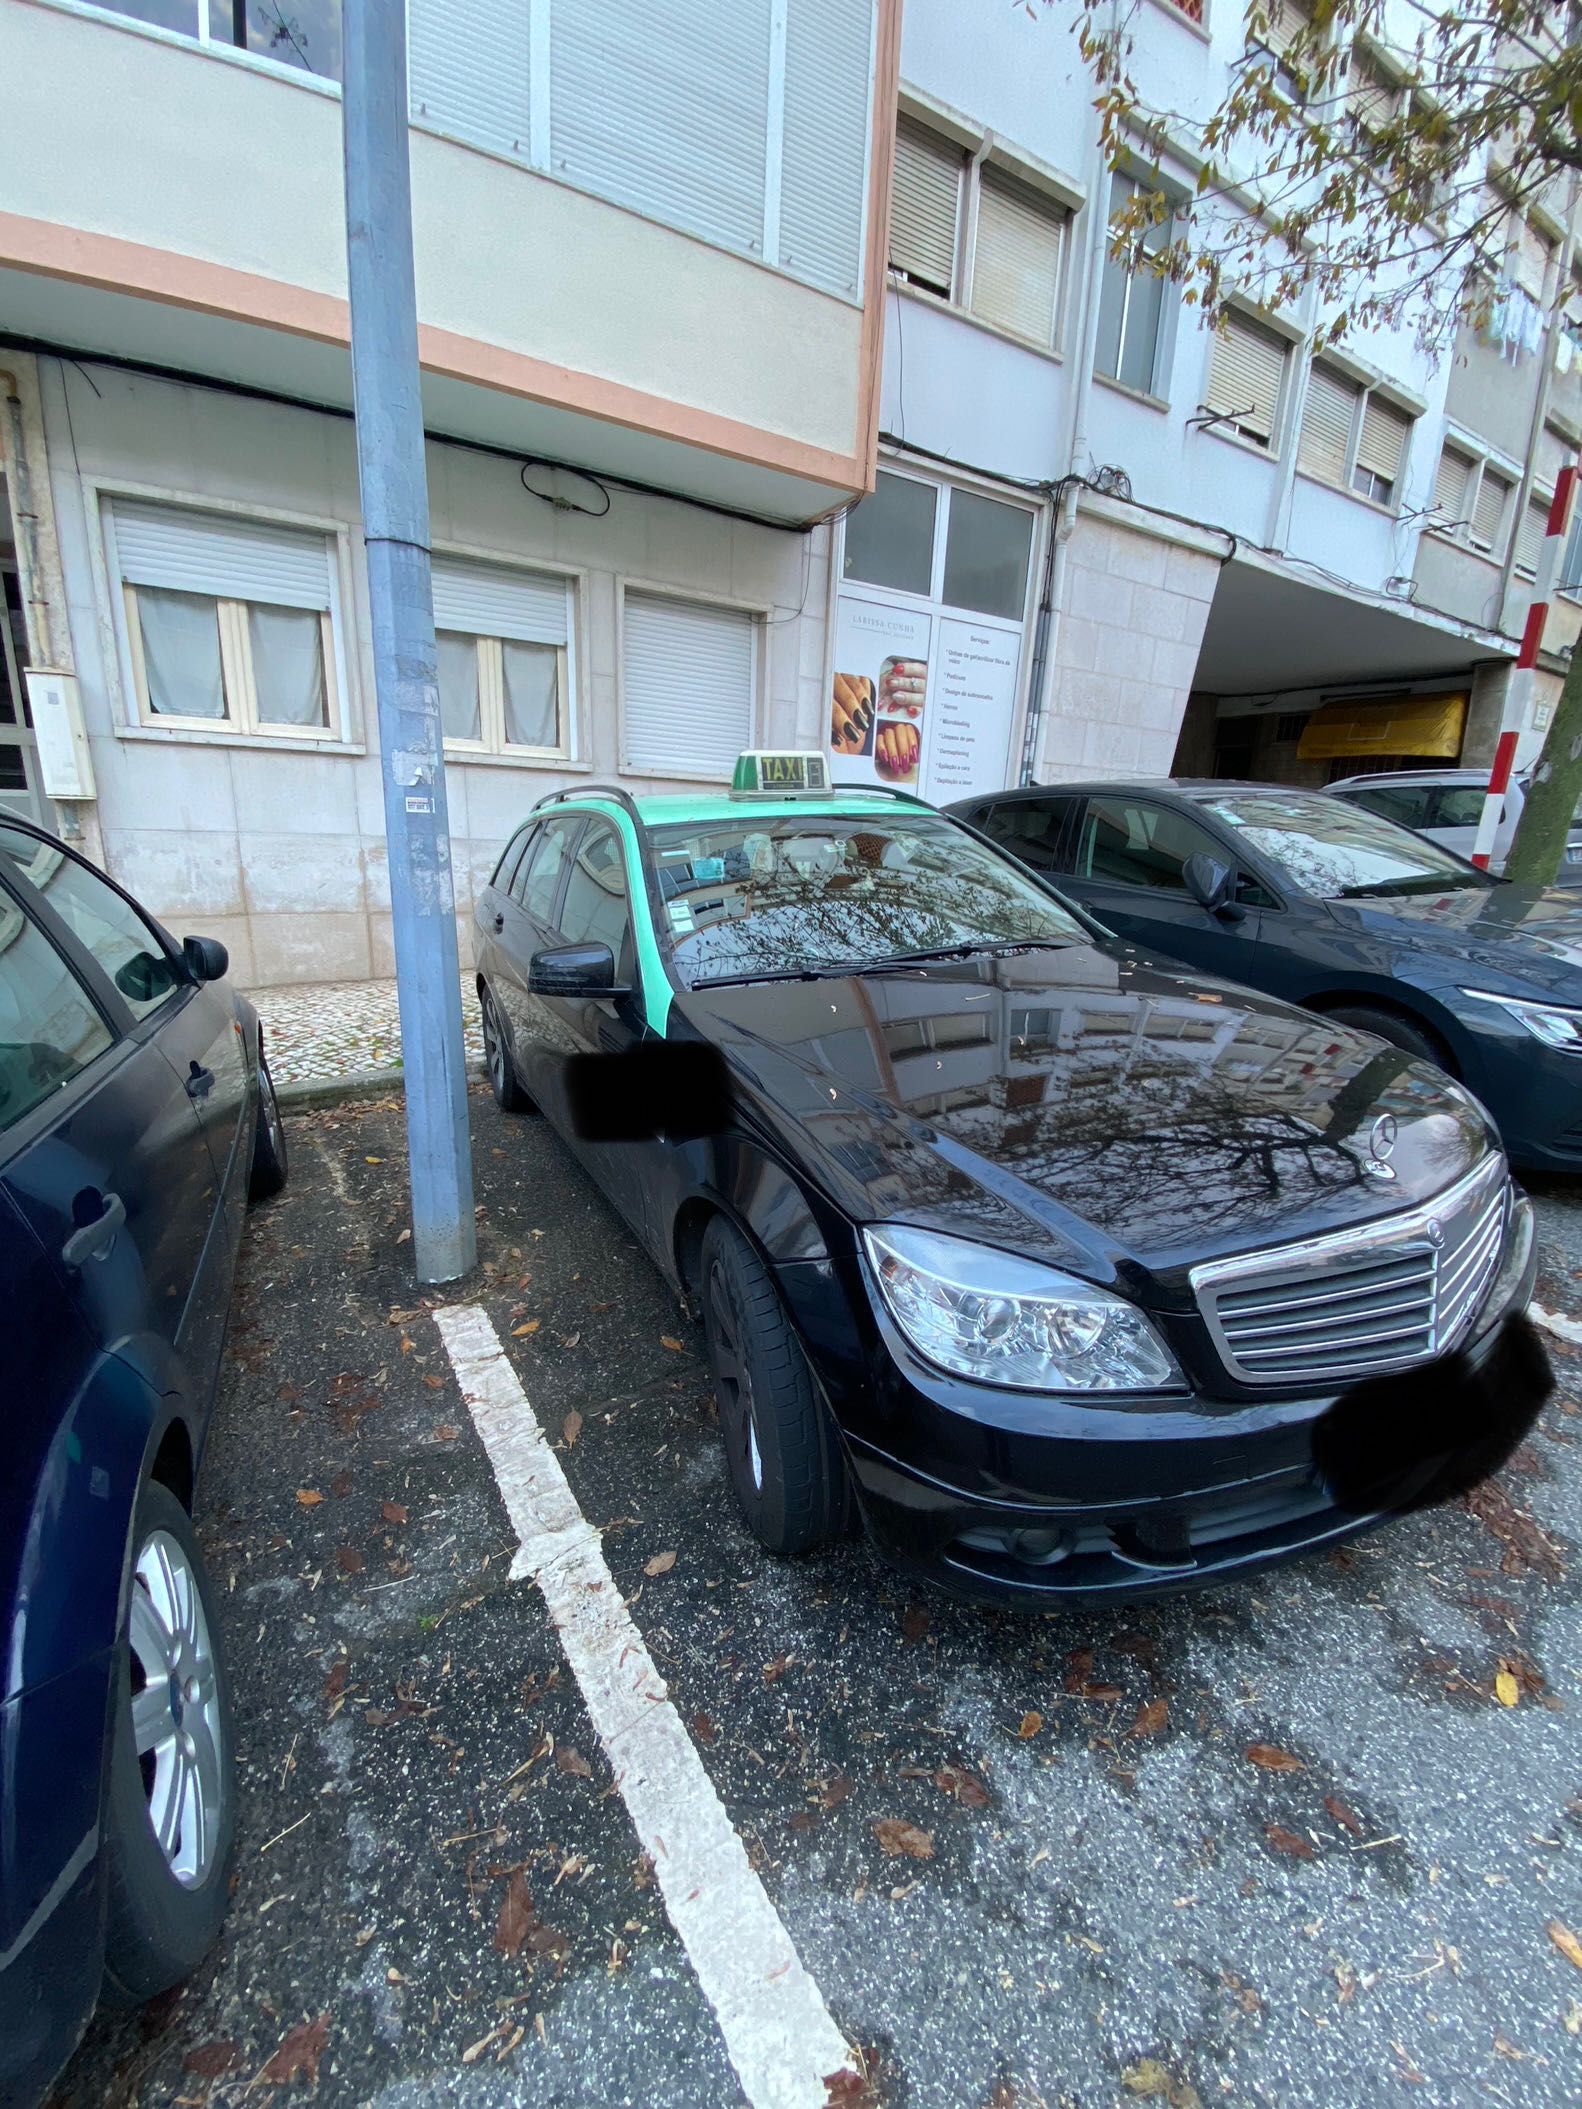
{"type": "Point", "coordinates": [360, 1083]}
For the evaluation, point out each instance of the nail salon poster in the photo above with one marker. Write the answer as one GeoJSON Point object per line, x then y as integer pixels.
{"type": "Point", "coordinates": [921, 701]}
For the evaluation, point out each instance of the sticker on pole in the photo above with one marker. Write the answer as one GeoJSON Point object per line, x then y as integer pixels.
{"type": "Point", "coordinates": [419, 805]}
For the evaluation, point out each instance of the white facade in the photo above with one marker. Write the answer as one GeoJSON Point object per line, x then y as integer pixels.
{"type": "Point", "coordinates": [647, 248]}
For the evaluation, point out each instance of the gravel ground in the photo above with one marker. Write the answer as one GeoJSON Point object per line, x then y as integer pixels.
{"type": "Point", "coordinates": [1117, 1903]}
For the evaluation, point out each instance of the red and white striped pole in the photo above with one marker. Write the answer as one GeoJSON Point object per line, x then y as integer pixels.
{"type": "Point", "coordinates": [1519, 688]}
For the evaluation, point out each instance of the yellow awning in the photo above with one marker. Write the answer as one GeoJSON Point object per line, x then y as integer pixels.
{"type": "Point", "coordinates": [1425, 725]}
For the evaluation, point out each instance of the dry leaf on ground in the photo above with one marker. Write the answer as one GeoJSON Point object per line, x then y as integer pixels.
{"type": "Point", "coordinates": [1030, 1725]}
{"type": "Point", "coordinates": [310, 1497]}
{"type": "Point", "coordinates": [571, 1427]}
{"type": "Point", "coordinates": [963, 1786]}
{"type": "Point", "coordinates": [520, 1332]}
{"type": "Point", "coordinates": [393, 1511]}
{"type": "Point", "coordinates": [299, 2053]}
{"type": "Point", "coordinates": [1150, 1718]}
{"type": "Point", "coordinates": [661, 1563]}
{"type": "Point", "coordinates": [516, 1915]}
{"type": "Point", "coordinates": [445, 1433]}
{"type": "Point", "coordinates": [1566, 1941]}
{"type": "Point", "coordinates": [914, 1623]}
{"type": "Point", "coordinates": [897, 1836]}
{"type": "Point", "coordinates": [703, 1728]}
{"type": "Point", "coordinates": [1506, 1688]}
{"type": "Point", "coordinates": [569, 1760]}
{"type": "Point", "coordinates": [669, 1340]}
{"type": "Point", "coordinates": [1272, 1758]}
{"type": "Point", "coordinates": [209, 2060]}
{"type": "Point", "coordinates": [1291, 1842]}
{"type": "Point", "coordinates": [1343, 1813]}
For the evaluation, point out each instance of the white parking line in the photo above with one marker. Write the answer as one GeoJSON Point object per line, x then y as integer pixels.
{"type": "Point", "coordinates": [778, 2032]}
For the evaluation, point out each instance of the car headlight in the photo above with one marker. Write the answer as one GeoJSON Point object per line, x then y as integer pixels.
{"type": "Point", "coordinates": [1552, 1023]}
{"type": "Point", "coordinates": [1003, 1320]}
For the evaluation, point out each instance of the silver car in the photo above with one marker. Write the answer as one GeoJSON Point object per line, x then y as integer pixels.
{"type": "Point", "coordinates": [1446, 805]}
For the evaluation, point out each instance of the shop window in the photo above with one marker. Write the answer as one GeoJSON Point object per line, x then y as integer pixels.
{"type": "Point", "coordinates": [689, 686]}
{"type": "Point", "coordinates": [986, 551]}
{"type": "Point", "coordinates": [1132, 303]}
{"type": "Point", "coordinates": [229, 623]}
{"type": "Point", "coordinates": [304, 34]}
{"type": "Point", "coordinates": [503, 639]}
{"type": "Point", "coordinates": [1247, 365]}
{"type": "Point", "coordinates": [890, 536]}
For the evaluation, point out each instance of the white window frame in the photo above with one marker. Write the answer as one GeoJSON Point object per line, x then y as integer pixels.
{"type": "Point", "coordinates": [492, 745]}
{"type": "Point", "coordinates": [1366, 391]}
{"type": "Point", "coordinates": [1538, 499]}
{"type": "Point", "coordinates": [241, 727]}
{"type": "Point", "coordinates": [761, 614]}
{"type": "Point", "coordinates": [1064, 199]}
{"type": "Point", "coordinates": [1459, 532]}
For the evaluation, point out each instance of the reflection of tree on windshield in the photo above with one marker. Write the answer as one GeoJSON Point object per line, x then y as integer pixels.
{"type": "Point", "coordinates": [789, 894]}
{"type": "Point", "coordinates": [1333, 849]}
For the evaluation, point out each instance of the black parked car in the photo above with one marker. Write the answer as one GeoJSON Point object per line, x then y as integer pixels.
{"type": "Point", "coordinates": [136, 1116]}
{"type": "Point", "coordinates": [1054, 1259]}
{"type": "Point", "coordinates": [1336, 908]}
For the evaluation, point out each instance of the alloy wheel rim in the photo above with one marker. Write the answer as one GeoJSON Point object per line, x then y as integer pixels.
{"type": "Point", "coordinates": [176, 1726]}
{"type": "Point", "coordinates": [493, 1045]}
{"type": "Point", "coordinates": [271, 1110]}
{"type": "Point", "coordinates": [732, 1382]}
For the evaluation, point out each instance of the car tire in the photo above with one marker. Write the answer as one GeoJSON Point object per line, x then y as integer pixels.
{"type": "Point", "coordinates": [781, 1449]}
{"type": "Point", "coordinates": [166, 1890]}
{"type": "Point", "coordinates": [499, 1061]}
{"type": "Point", "coordinates": [270, 1161]}
{"type": "Point", "coordinates": [1400, 1032]}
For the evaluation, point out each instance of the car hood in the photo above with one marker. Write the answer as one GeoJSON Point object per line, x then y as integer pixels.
{"type": "Point", "coordinates": [1526, 935]}
{"type": "Point", "coordinates": [1086, 1106]}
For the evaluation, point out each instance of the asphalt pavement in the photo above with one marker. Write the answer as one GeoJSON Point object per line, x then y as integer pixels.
{"type": "Point", "coordinates": [1315, 1840]}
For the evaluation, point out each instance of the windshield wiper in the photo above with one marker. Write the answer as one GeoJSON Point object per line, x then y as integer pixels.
{"type": "Point", "coordinates": [830, 968]}
{"type": "Point", "coordinates": [1425, 882]}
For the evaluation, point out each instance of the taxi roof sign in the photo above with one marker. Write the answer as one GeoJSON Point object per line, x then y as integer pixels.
{"type": "Point", "coordinates": [762, 772]}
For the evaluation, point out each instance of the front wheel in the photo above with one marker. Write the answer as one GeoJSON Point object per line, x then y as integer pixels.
{"type": "Point", "coordinates": [497, 1059]}
{"type": "Point", "coordinates": [170, 1813]}
{"type": "Point", "coordinates": [782, 1453]}
{"type": "Point", "coordinates": [268, 1173]}
{"type": "Point", "coordinates": [1411, 1038]}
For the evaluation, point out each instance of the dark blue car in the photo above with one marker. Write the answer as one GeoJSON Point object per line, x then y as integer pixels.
{"type": "Point", "coordinates": [1340, 910]}
{"type": "Point", "coordinates": [136, 1119]}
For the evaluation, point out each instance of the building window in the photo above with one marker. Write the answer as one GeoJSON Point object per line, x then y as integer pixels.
{"type": "Point", "coordinates": [1533, 261]}
{"type": "Point", "coordinates": [1012, 277]}
{"type": "Point", "coordinates": [1016, 259]}
{"type": "Point", "coordinates": [1530, 534]}
{"type": "Point", "coordinates": [1192, 9]}
{"type": "Point", "coordinates": [1486, 528]}
{"type": "Point", "coordinates": [925, 207]}
{"type": "Point", "coordinates": [1373, 99]}
{"type": "Point", "coordinates": [890, 536]}
{"type": "Point", "coordinates": [1132, 311]}
{"type": "Point", "coordinates": [1288, 20]}
{"type": "Point", "coordinates": [503, 638]}
{"type": "Point", "coordinates": [305, 34]}
{"type": "Point", "coordinates": [1452, 487]}
{"type": "Point", "coordinates": [1329, 421]}
{"type": "Point", "coordinates": [229, 623]}
{"type": "Point", "coordinates": [1246, 378]}
{"type": "Point", "coordinates": [689, 686]}
{"type": "Point", "coordinates": [1571, 561]}
{"type": "Point", "coordinates": [1381, 450]}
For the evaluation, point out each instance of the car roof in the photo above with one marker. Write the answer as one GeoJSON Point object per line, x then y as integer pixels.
{"type": "Point", "coordinates": [664, 808]}
{"type": "Point", "coordinates": [1151, 786]}
{"type": "Point", "coordinates": [1409, 776]}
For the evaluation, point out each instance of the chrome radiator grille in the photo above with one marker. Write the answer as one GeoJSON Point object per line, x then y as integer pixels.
{"type": "Point", "coordinates": [1351, 1305]}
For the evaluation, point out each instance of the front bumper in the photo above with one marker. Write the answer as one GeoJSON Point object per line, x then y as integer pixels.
{"type": "Point", "coordinates": [1002, 1497]}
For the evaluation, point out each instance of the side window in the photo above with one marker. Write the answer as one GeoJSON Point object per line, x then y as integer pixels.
{"type": "Point", "coordinates": [538, 880]}
{"type": "Point", "coordinates": [1132, 843]}
{"type": "Point", "coordinates": [1038, 831]}
{"type": "Point", "coordinates": [505, 870]}
{"type": "Point", "coordinates": [595, 911]}
{"type": "Point", "coordinates": [1456, 805]}
{"type": "Point", "coordinates": [103, 921]}
{"type": "Point", "coordinates": [49, 1030]}
{"type": "Point", "coordinates": [1405, 804]}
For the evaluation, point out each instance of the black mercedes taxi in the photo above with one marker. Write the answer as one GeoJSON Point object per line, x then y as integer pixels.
{"type": "Point", "coordinates": [1063, 1270]}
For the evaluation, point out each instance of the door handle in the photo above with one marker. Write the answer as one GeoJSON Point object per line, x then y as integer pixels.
{"type": "Point", "coordinates": [499, 920]}
{"type": "Point", "coordinates": [200, 1081]}
{"type": "Point", "coordinates": [92, 1241]}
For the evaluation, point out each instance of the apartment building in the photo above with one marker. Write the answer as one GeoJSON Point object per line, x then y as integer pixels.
{"type": "Point", "coordinates": [650, 253]}
{"type": "Point", "coordinates": [1272, 564]}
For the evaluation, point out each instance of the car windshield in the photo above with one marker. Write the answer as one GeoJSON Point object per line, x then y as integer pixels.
{"type": "Point", "coordinates": [1338, 850]}
{"type": "Point", "coordinates": [760, 896]}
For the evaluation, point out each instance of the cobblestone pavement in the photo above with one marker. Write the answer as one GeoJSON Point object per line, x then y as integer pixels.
{"type": "Point", "coordinates": [322, 1030]}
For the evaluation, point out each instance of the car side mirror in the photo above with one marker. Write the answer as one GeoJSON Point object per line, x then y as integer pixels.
{"type": "Point", "coordinates": [1211, 885]}
{"type": "Point", "coordinates": [579, 971]}
{"type": "Point", "coordinates": [206, 958]}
